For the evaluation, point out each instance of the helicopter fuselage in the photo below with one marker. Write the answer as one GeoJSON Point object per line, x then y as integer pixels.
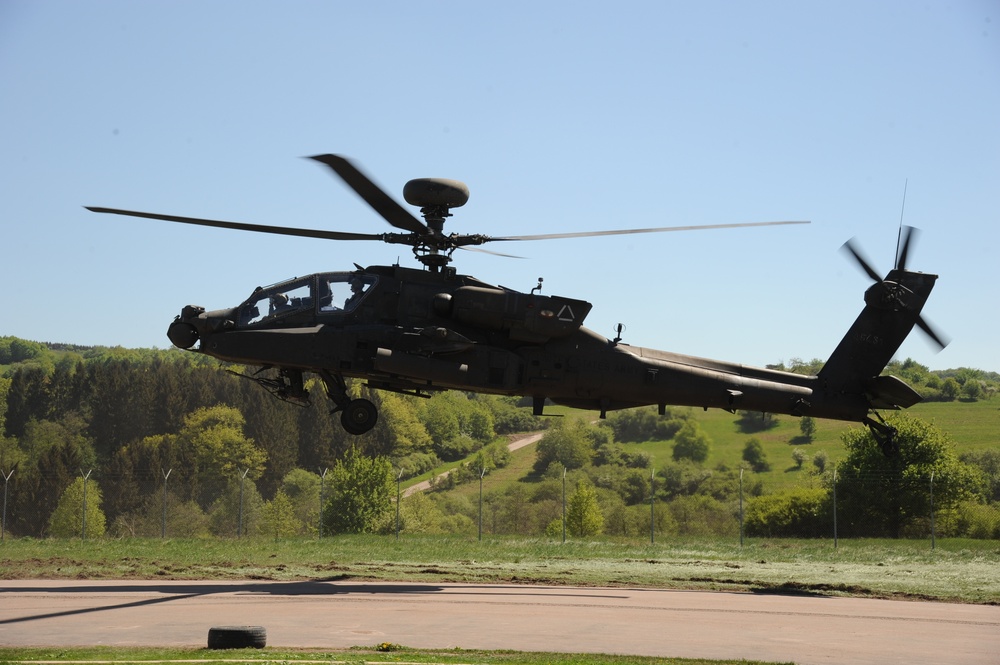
{"type": "Point", "coordinates": [417, 331]}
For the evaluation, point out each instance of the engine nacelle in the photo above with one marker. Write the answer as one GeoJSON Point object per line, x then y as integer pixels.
{"type": "Point", "coordinates": [525, 317]}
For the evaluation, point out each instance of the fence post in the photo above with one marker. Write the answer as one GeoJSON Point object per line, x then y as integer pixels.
{"type": "Point", "coordinates": [834, 507]}
{"type": "Point", "coordinates": [322, 480]}
{"type": "Point", "coordinates": [652, 498]}
{"type": "Point", "coordinates": [564, 505]}
{"type": "Point", "coordinates": [741, 507]}
{"type": "Point", "coordinates": [3, 523]}
{"type": "Point", "coordinates": [86, 477]}
{"type": "Point", "coordinates": [933, 534]}
{"type": "Point", "coordinates": [163, 519]}
{"type": "Point", "coordinates": [239, 526]}
{"type": "Point", "coordinates": [399, 479]}
{"type": "Point", "coordinates": [482, 472]}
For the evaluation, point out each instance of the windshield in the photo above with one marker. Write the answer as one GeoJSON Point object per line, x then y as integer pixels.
{"type": "Point", "coordinates": [277, 302]}
{"type": "Point", "coordinates": [295, 301]}
{"type": "Point", "coordinates": [343, 292]}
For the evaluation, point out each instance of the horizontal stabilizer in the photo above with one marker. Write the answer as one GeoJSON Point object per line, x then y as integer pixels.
{"type": "Point", "coordinates": [888, 392]}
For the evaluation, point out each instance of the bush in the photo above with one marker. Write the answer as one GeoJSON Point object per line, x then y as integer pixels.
{"type": "Point", "coordinates": [807, 425]}
{"type": "Point", "coordinates": [362, 490]}
{"type": "Point", "coordinates": [682, 478]}
{"type": "Point", "coordinates": [753, 454]}
{"type": "Point", "coordinates": [977, 520]}
{"type": "Point", "coordinates": [227, 511]}
{"type": "Point", "coordinates": [569, 443]}
{"type": "Point", "coordinates": [630, 485]}
{"type": "Point", "coordinates": [633, 521]}
{"type": "Point", "coordinates": [185, 519]}
{"type": "Point", "coordinates": [509, 417]}
{"type": "Point", "coordinates": [277, 517]}
{"type": "Point", "coordinates": [583, 513]}
{"type": "Point", "coordinates": [691, 443]}
{"type": "Point", "coordinates": [415, 464]}
{"type": "Point", "coordinates": [667, 428]}
{"type": "Point", "coordinates": [799, 513]}
{"type": "Point", "coordinates": [636, 425]}
{"type": "Point", "coordinates": [703, 516]}
{"type": "Point", "coordinates": [67, 519]}
{"type": "Point", "coordinates": [498, 454]}
{"type": "Point", "coordinates": [417, 514]}
{"type": "Point", "coordinates": [456, 448]}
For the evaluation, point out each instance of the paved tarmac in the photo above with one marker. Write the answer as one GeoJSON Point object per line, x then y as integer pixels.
{"type": "Point", "coordinates": [803, 629]}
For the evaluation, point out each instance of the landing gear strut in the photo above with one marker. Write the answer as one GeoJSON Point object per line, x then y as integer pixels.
{"type": "Point", "coordinates": [356, 415]}
{"type": "Point", "coordinates": [884, 435]}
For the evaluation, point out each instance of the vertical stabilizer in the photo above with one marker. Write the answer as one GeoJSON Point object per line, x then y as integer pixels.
{"type": "Point", "coordinates": [892, 308]}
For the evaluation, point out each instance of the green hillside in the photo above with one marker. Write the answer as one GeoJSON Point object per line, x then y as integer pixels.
{"type": "Point", "coordinates": [972, 426]}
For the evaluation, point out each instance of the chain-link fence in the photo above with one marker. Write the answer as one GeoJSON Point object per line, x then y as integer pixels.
{"type": "Point", "coordinates": [166, 503]}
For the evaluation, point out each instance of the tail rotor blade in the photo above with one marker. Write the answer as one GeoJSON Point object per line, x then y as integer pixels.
{"type": "Point", "coordinates": [850, 247]}
{"type": "Point", "coordinates": [936, 337]}
{"type": "Point", "coordinates": [908, 235]}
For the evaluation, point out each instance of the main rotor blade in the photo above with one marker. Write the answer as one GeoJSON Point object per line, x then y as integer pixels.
{"type": "Point", "coordinates": [589, 234]}
{"type": "Point", "coordinates": [933, 334]}
{"type": "Point", "coordinates": [386, 206]}
{"type": "Point", "coordinates": [487, 251]}
{"type": "Point", "coordinates": [240, 226]}
{"type": "Point", "coordinates": [862, 261]}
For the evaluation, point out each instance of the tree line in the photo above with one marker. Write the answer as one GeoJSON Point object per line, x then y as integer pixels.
{"type": "Point", "coordinates": [948, 385]}
{"type": "Point", "coordinates": [132, 416]}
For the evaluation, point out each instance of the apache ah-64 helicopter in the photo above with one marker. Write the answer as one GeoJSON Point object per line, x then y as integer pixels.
{"type": "Point", "coordinates": [415, 331]}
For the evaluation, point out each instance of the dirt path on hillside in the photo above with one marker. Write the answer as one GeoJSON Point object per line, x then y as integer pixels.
{"type": "Point", "coordinates": [519, 441]}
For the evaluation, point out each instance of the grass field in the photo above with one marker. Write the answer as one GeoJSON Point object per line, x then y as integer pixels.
{"type": "Point", "coordinates": [886, 569]}
{"type": "Point", "coordinates": [388, 653]}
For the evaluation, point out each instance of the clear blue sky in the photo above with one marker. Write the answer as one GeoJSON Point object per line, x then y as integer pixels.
{"type": "Point", "coordinates": [559, 116]}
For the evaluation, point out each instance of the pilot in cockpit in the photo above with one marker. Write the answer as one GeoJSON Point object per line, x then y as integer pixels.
{"type": "Point", "coordinates": [357, 290]}
{"type": "Point", "coordinates": [278, 303]}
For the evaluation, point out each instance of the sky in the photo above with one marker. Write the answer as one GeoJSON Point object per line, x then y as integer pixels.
{"type": "Point", "coordinates": [560, 117]}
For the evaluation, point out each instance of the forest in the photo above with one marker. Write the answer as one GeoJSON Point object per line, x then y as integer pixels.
{"type": "Point", "coordinates": [131, 416]}
{"type": "Point", "coordinates": [166, 439]}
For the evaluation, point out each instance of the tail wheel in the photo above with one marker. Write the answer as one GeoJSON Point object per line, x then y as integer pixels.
{"type": "Point", "coordinates": [359, 416]}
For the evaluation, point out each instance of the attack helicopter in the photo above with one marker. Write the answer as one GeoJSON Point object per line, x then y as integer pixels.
{"type": "Point", "coordinates": [417, 331]}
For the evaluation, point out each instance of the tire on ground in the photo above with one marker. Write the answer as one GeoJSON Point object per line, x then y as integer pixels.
{"type": "Point", "coordinates": [237, 637]}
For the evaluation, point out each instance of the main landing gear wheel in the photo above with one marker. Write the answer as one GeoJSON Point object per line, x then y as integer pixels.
{"type": "Point", "coordinates": [359, 416]}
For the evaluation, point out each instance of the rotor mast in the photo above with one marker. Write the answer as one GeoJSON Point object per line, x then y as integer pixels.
{"type": "Point", "coordinates": [436, 197]}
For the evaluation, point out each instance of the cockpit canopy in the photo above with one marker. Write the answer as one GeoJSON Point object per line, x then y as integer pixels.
{"type": "Point", "coordinates": [301, 300]}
